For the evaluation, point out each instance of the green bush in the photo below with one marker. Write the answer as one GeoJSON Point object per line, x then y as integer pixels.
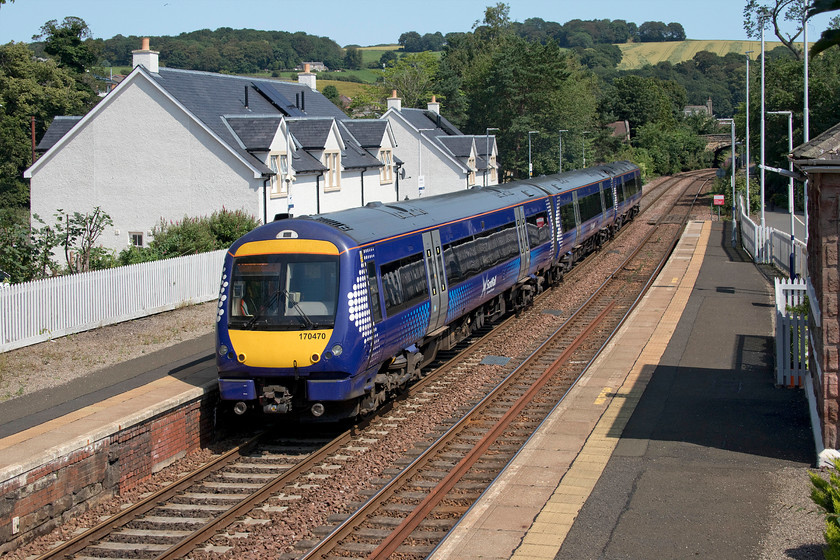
{"type": "Point", "coordinates": [191, 236]}
{"type": "Point", "coordinates": [826, 494]}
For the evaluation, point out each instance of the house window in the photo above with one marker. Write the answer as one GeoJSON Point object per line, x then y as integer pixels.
{"type": "Point", "coordinates": [386, 173]}
{"type": "Point", "coordinates": [279, 164]}
{"type": "Point", "coordinates": [493, 169]}
{"type": "Point", "coordinates": [135, 238]}
{"type": "Point", "coordinates": [471, 177]}
{"type": "Point", "coordinates": [332, 161]}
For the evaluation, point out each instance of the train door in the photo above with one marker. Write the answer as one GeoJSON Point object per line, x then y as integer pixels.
{"type": "Point", "coordinates": [524, 249]}
{"type": "Point", "coordinates": [436, 277]}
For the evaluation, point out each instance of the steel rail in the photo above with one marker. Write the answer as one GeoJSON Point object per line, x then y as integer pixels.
{"type": "Point", "coordinates": [405, 528]}
{"type": "Point", "coordinates": [124, 517]}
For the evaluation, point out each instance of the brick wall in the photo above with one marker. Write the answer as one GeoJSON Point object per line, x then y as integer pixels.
{"type": "Point", "coordinates": [63, 487]}
{"type": "Point", "coordinates": [824, 272]}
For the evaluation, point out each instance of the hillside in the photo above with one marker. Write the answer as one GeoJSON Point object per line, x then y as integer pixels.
{"type": "Point", "coordinates": [636, 55]}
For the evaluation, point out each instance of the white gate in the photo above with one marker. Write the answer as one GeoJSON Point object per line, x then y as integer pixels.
{"type": "Point", "coordinates": [791, 333]}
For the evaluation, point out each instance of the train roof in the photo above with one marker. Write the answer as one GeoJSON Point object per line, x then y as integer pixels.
{"type": "Point", "coordinates": [377, 221]}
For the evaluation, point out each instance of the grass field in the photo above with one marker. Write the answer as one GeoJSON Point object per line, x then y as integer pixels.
{"type": "Point", "coordinates": [636, 55]}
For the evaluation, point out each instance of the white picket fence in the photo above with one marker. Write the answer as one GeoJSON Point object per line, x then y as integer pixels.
{"type": "Point", "coordinates": [791, 333]}
{"type": "Point", "coordinates": [38, 311]}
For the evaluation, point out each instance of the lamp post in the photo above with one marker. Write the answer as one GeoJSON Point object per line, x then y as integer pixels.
{"type": "Point", "coordinates": [790, 189]}
{"type": "Point", "coordinates": [487, 150]}
{"type": "Point", "coordinates": [763, 20]}
{"type": "Point", "coordinates": [731, 123]}
{"type": "Point", "coordinates": [806, 127]}
{"type": "Point", "coordinates": [583, 145]}
{"type": "Point", "coordinates": [530, 167]}
{"type": "Point", "coordinates": [747, 154]}
{"type": "Point", "coordinates": [560, 157]}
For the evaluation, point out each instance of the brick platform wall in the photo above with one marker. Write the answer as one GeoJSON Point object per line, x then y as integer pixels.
{"type": "Point", "coordinates": [45, 497]}
{"type": "Point", "coordinates": [824, 273]}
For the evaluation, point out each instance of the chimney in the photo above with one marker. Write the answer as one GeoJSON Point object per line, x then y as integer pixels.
{"type": "Point", "coordinates": [434, 106]}
{"type": "Point", "coordinates": [394, 102]}
{"type": "Point", "coordinates": [145, 57]}
{"type": "Point", "coordinates": [306, 77]}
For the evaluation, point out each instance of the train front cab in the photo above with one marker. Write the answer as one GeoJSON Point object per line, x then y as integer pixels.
{"type": "Point", "coordinates": [279, 349]}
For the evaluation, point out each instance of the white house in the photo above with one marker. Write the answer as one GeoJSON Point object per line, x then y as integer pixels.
{"type": "Point", "coordinates": [166, 143]}
{"type": "Point", "coordinates": [436, 157]}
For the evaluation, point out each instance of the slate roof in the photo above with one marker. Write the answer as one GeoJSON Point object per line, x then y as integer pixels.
{"type": "Point", "coordinates": [304, 162]}
{"type": "Point", "coordinates": [255, 133]}
{"type": "Point", "coordinates": [823, 148]}
{"type": "Point", "coordinates": [460, 146]}
{"type": "Point", "coordinates": [368, 132]}
{"type": "Point", "coordinates": [355, 155]}
{"type": "Point", "coordinates": [423, 118]}
{"type": "Point", "coordinates": [311, 133]}
{"type": "Point", "coordinates": [57, 129]}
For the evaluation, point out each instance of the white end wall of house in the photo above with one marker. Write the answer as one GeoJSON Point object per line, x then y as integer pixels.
{"type": "Point", "coordinates": [441, 174]}
{"type": "Point", "coordinates": [140, 159]}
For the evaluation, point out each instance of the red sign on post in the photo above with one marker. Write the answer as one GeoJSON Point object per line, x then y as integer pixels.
{"type": "Point", "coordinates": [718, 200]}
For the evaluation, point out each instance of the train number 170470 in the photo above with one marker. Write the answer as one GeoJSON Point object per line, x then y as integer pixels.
{"type": "Point", "coordinates": [313, 336]}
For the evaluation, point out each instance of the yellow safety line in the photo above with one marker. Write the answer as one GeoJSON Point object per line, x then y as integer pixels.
{"type": "Point", "coordinates": [546, 535]}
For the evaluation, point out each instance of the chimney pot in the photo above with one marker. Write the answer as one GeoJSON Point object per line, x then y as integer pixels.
{"type": "Point", "coordinates": [434, 106]}
{"type": "Point", "coordinates": [145, 57]}
{"type": "Point", "coordinates": [306, 67]}
{"type": "Point", "coordinates": [394, 102]}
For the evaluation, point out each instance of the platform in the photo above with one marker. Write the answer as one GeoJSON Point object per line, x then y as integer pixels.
{"type": "Point", "coordinates": [666, 446]}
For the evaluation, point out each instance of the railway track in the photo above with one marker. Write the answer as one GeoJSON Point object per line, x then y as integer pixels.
{"type": "Point", "coordinates": [267, 474]}
{"type": "Point", "coordinates": [412, 513]}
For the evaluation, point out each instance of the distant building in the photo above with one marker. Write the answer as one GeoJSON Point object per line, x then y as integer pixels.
{"type": "Point", "coordinates": [313, 66]}
{"type": "Point", "coordinates": [699, 109]}
{"type": "Point", "coordinates": [621, 129]}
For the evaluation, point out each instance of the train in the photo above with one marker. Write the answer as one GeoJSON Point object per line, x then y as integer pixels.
{"type": "Point", "coordinates": [325, 317]}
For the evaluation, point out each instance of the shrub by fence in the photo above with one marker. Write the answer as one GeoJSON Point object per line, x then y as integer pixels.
{"type": "Point", "coordinates": [37, 311]}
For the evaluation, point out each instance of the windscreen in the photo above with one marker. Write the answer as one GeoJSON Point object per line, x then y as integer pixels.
{"type": "Point", "coordinates": [283, 292]}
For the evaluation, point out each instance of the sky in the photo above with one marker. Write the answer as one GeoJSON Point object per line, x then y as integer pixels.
{"type": "Point", "coordinates": [363, 22]}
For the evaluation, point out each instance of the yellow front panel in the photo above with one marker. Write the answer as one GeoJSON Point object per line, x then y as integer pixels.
{"type": "Point", "coordinates": [280, 348]}
{"type": "Point", "coordinates": [276, 246]}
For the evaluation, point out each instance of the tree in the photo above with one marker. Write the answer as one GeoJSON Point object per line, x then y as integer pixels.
{"type": "Point", "coordinates": [78, 234]}
{"type": "Point", "coordinates": [387, 58]}
{"type": "Point", "coordinates": [757, 14]}
{"type": "Point", "coordinates": [331, 93]}
{"type": "Point", "coordinates": [643, 100]}
{"type": "Point", "coordinates": [410, 41]}
{"type": "Point", "coordinates": [65, 42]}
{"type": "Point", "coordinates": [530, 86]}
{"type": "Point", "coordinates": [831, 36]}
{"type": "Point", "coordinates": [353, 58]}
{"type": "Point", "coordinates": [30, 88]}
{"type": "Point", "coordinates": [413, 77]}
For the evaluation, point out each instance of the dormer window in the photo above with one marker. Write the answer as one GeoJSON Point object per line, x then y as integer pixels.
{"type": "Point", "coordinates": [386, 173]}
{"type": "Point", "coordinates": [471, 177]}
{"type": "Point", "coordinates": [279, 164]}
{"type": "Point", "coordinates": [333, 174]}
{"type": "Point", "coordinates": [493, 169]}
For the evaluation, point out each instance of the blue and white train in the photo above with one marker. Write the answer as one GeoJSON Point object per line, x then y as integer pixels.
{"type": "Point", "coordinates": [327, 316]}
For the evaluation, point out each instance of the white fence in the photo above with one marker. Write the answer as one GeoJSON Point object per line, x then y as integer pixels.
{"type": "Point", "coordinates": [44, 309]}
{"type": "Point", "coordinates": [791, 333]}
{"type": "Point", "coordinates": [769, 246]}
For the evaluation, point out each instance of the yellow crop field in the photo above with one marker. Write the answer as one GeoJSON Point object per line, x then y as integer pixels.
{"type": "Point", "coordinates": [636, 55]}
{"type": "Point", "coordinates": [350, 89]}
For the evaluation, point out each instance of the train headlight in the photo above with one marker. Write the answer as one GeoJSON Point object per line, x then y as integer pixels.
{"type": "Point", "coordinates": [337, 350]}
{"type": "Point", "coordinates": [223, 350]}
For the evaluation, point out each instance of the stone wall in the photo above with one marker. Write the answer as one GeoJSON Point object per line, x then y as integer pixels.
{"type": "Point", "coordinates": [824, 273]}
{"type": "Point", "coordinates": [35, 502]}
